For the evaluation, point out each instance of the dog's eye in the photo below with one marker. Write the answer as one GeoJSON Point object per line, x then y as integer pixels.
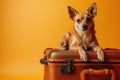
{"type": "Point", "coordinates": [88, 19]}
{"type": "Point", "coordinates": [78, 20]}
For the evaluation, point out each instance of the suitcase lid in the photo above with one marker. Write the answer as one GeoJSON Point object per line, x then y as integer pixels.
{"type": "Point", "coordinates": [55, 55]}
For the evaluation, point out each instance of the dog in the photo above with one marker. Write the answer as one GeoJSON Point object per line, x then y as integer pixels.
{"type": "Point", "coordinates": [82, 36]}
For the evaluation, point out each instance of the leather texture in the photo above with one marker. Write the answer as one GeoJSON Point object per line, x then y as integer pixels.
{"type": "Point", "coordinates": [91, 70]}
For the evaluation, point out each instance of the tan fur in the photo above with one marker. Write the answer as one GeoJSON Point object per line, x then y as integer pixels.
{"type": "Point", "coordinates": [83, 34]}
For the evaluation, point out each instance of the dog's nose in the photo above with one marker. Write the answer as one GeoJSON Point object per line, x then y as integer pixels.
{"type": "Point", "coordinates": [85, 27]}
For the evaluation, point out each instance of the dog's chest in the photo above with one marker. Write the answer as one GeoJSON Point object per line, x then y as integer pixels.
{"type": "Point", "coordinates": [83, 41]}
{"type": "Point", "coordinates": [86, 40]}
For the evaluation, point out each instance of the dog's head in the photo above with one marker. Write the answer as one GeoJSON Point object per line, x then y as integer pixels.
{"type": "Point", "coordinates": [83, 21]}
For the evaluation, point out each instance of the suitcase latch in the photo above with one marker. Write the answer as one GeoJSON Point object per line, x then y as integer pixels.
{"type": "Point", "coordinates": [68, 68]}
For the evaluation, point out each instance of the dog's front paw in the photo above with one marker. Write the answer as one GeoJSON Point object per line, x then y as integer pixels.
{"type": "Point", "coordinates": [100, 55]}
{"type": "Point", "coordinates": [83, 55]}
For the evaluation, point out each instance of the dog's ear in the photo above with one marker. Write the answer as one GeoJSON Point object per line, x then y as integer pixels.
{"type": "Point", "coordinates": [72, 12]}
{"type": "Point", "coordinates": [92, 10]}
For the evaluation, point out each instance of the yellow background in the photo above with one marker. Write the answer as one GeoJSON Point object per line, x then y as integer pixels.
{"type": "Point", "coordinates": [27, 27]}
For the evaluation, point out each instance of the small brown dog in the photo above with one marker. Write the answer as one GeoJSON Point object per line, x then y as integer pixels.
{"type": "Point", "coordinates": [83, 35]}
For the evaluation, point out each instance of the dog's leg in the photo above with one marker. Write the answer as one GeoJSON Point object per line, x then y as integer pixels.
{"type": "Point", "coordinates": [64, 42]}
{"type": "Point", "coordinates": [81, 52]}
{"type": "Point", "coordinates": [100, 53]}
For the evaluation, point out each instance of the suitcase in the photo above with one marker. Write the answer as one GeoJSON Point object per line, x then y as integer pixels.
{"type": "Point", "coordinates": [66, 65]}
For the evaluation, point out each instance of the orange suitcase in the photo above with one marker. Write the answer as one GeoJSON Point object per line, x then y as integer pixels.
{"type": "Point", "coordinates": [66, 65]}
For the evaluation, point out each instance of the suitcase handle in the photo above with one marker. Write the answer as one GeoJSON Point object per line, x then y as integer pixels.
{"type": "Point", "coordinates": [93, 71]}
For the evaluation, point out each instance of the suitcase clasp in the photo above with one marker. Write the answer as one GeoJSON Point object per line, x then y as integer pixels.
{"type": "Point", "coordinates": [68, 68]}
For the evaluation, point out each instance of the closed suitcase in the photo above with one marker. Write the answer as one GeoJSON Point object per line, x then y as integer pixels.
{"type": "Point", "coordinates": [66, 65]}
